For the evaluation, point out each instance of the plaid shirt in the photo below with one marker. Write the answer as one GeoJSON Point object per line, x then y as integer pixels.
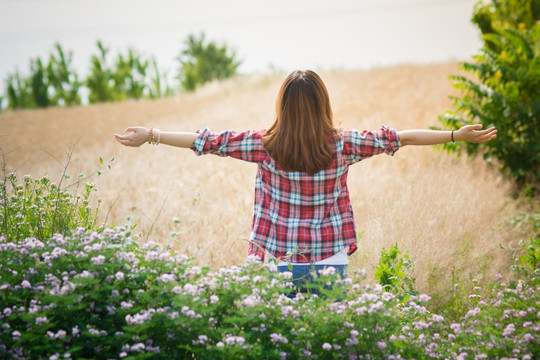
{"type": "Point", "coordinates": [299, 217]}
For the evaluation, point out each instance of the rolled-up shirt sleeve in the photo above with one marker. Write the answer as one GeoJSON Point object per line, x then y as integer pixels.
{"type": "Point", "coordinates": [245, 145]}
{"type": "Point", "coordinates": [361, 145]}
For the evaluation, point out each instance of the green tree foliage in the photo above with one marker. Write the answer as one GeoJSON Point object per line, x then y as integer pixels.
{"type": "Point", "coordinates": [99, 81]}
{"type": "Point", "coordinates": [55, 83]}
{"type": "Point", "coordinates": [129, 76]}
{"type": "Point", "coordinates": [158, 86]}
{"type": "Point", "coordinates": [39, 83]}
{"type": "Point", "coordinates": [63, 79]}
{"type": "Point", "coordinates": [504, 87]}
{"type": "Point", "coordinates": [29, 92]}
{"type": "Point", "coordinates": [18, 92]}
{"type": "Point", "coordinates": [202, 62]}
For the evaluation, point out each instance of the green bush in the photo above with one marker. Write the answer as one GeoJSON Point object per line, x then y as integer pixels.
{"type": "Point", "coordinates": [99, 81]}
{"type": "Point", "coordinates": [202, 62]}
{"type": "Point", "coordinates": [504, 88]}
{"type": "Point", "coordinates": [39, 208]}
{"type": "Point", "coordinates": [63, 79]}
{"type": "Point", "coordinates": [129, 77]}
{"type": "Point", "coordinates": [52, 84]}
{"type": "Point", "coordinates": [19, 93]}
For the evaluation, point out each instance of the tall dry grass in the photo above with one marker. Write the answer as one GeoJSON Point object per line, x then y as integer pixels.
{"type": "Point", "coordinates": [449, 214]}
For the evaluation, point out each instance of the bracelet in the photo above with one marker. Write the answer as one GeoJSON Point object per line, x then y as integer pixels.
{"type": "Point", "coordinates": [154, 140]}
{"type": "Point", "coordinates": [150, 135]}
{"type": "Point", "coordinates": [452, 136]}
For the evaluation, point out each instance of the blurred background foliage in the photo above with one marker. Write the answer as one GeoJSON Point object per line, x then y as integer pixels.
{"type": "Point", "coordinates": [129, 76]}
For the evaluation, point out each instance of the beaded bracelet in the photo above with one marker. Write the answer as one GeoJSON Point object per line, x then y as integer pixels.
{"type": "Point", "coordinates": [150, 135]}
{"type": "Point", "coordinates": [154, 140]}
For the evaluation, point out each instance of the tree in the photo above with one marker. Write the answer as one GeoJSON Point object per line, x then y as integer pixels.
{"type": "Point", "coordinates": [129, 76]}
{"type": "Point", "coordinates": [504, 90]}
{"type": "Point", "coordinates": [202, 62]}
{"type": "Point", "coordinates": [18, 91]}
{"type": "Point", "coordinates": [158, 86]}
{"type": "Point", "coordinates": [39, 83]}
{"type": "Point", "coordinates": [99, 82]}
{"type": "Point", "coordinates": [63, 79]}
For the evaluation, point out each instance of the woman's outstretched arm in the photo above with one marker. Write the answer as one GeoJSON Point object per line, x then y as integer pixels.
{"type": "Point", "coordinates": [137, 135]}
{"type": "Point", "coordinates": [469, 133]}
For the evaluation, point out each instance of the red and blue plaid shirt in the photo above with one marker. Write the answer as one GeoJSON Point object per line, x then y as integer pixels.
{"type": "Point", "coordinates": [299, 217]}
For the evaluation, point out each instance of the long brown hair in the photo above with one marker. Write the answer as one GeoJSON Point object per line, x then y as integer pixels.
{"type": "Point", "coordinates": [301, 138]}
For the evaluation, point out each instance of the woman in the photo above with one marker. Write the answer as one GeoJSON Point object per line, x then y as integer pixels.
{"type": "Point", "coordinates": [302, 212]}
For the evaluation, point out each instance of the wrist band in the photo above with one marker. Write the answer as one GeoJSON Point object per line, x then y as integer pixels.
{"type": "Point", "coordinates": [452, 136]}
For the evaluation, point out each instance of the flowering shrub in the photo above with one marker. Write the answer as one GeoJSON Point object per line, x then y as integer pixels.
{"type": "Point", "coordinates": [101, 295]}
{"type": "Point", "coordinates": [40, 208]}
{"type": "Point", "coordinates": [85, 294]}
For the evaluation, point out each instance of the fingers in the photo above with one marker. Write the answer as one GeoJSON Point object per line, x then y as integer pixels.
{"type": "Point", "coordinates": [124, 139]}
{"type": "Point", "coordinates": [131, 129]}
{"type": "Point", "coordinates": [486, 135]}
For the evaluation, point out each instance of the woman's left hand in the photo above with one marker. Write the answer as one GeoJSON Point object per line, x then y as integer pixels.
{"type": "Point", "coordinates": [135, 136]}
{"type": "Point", "coordinates": [473, 134]}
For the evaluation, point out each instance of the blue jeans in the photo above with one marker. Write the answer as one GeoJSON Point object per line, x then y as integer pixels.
{"type": "Point", "coordinates": [302, 276]}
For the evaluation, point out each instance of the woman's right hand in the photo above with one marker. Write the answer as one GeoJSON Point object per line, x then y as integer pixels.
{"type": "Point", "coordinates": [133, 136]}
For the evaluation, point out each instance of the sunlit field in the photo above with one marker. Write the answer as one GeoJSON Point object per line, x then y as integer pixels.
{"type": "Point", "coordinates": [450, 214]}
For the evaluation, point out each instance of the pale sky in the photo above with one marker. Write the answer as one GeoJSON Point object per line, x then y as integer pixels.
{"type": "Point", "coordinates": [287, 34]}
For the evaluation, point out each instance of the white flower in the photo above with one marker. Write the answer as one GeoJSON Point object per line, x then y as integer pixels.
{"type": "Point", "coordinates": [327, 271]}
{"type": "Point", "coordinates": [41, 320]}
{"type": "Point", "coordinates": [126, 305]}
{"type": "Point", "coordinates": [166, 278]}
{"type": "Point", "coordinates": [26, 284]}
{"type": "Point", "coordinates": [119, 275]}
{"type": "Point", "coordinates": [98, 260]}
{"type": "Point", "coordinates": [286, 275]}
{"type": "Point", "coordinates": [326, 346]}
{"type": "Point", "coordinates": [190, 289]}
{"type": "Point", "coordinates": [214, 299]}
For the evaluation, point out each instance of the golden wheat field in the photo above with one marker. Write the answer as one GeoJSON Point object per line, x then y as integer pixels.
{"type": "Point", "coordinates": [449, 214]}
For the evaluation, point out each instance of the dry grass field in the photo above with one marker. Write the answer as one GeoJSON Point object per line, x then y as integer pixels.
{"type": "Point", "coordinates": [449, 214]}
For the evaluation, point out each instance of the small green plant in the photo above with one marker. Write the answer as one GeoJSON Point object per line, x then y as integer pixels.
{"type": "Point", "coordinates": [202, 62]}
{"type": "Point", "coordinates": [528, 264]}
{"type": "Point", "coordinates": [18, 92]}
{"type": "Point", "coordinates": [129, 76]}
{"type": "Point", "coordinates": [40, 208]}
{"type": "Point", "coordinates": [394, 273]}
{"type": "Point", "coordinates": [63, 79]}
{"type": "Point", "coordinates": [99, 81]}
